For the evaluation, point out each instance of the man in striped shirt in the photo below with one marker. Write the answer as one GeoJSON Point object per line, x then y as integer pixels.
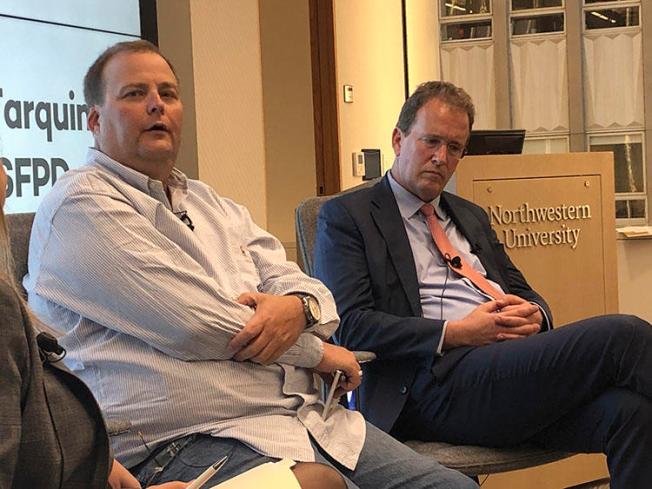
{"type": "Point", "coordinates": [182, 315]}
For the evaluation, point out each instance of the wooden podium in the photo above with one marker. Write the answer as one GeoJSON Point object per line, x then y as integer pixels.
{"type": "Point", "coordinates": [555, 215]}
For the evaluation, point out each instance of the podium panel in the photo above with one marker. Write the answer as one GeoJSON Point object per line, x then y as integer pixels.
{"type": "Point", "coordinates": [555, 216]}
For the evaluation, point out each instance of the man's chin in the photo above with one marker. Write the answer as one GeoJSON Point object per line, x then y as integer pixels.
{"type": "Point", "coordinates": [429, 192]}
{"type": "Point", "coordinates": [158, 151]}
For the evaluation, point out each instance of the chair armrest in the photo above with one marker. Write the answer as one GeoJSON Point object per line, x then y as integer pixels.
{"type": "Point", "coordinates": [364, 356]}
{"type": "Point", "coordinates": [116, 427]}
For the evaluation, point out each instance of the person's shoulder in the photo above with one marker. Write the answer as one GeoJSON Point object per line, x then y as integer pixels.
{"type": "Point", "coordinates": [207, 196]}
{"type": "Point", "coordinates": [8, 295]}
{"type": "Point", "coordinates": [457, 204]}
{"type": "Point", "coordinates": [84, 179]}
{"type": "Point", "coordinates": [357, 198]}
{"type": "Point", "coordinates": [454, 200]}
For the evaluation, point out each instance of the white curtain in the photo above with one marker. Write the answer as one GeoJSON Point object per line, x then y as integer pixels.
{"type": "Point", "coordinates": [471, 66]}
{"type": "Point", "coordinates": [539, 85]}
{"type": "Point", "coordinates": [613, 71]}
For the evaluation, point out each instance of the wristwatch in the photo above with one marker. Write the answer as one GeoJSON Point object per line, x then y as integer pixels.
{"type": "Point", "coordinates": [310, 309]}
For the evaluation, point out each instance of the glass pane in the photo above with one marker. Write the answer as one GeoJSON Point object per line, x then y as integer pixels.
{"type": "Point", "coordinates": [628, 165]}
{"type": "Point", "coordinates": [538, 24]}
{"type": "Point", "coordinates": [622, 209]}
{"type": "Point", "coordinates": [464, 7]}
{"type": "Point", "coordinates": [588, 2]}
{"type": "Point", "coordinates": [630, 209]}
{"type": "Point", "coordinates": [637, 208]}
{"type": "Point", "coordinates": [546, 146]}
{"type": "Point", "coordinates": [466, 30]}
{"type": "Point", "coordinates": [529, 4]}
{"type": "Point", "coordinates": [614, 17]}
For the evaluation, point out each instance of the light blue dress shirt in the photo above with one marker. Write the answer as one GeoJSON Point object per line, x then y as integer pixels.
{"type": "Point", "coordinates": [443, 293]}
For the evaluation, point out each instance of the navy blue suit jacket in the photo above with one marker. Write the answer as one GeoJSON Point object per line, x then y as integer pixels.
{"type": "Point", "coordinates": [363, 255]}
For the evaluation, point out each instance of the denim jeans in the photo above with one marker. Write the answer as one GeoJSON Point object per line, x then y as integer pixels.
{"type": "Point", "coordinates": [384, 464]}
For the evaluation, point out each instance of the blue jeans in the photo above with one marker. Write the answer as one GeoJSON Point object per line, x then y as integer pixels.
{"type": "Point", "coordinates": [384, 464]}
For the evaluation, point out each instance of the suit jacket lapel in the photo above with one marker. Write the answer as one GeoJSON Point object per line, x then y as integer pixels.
{"type": "Point", "coordinates": [385, 213]}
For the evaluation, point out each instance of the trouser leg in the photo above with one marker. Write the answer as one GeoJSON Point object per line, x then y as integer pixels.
{"type": "Point", "coordinates": [619, 423]}
{"type": "Point", "coordinates": [505, 393]}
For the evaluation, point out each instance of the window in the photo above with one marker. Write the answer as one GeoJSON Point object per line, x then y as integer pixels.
{"type": "Point", "coordinates": [536, 17]}
{"type": "Point", "coordinates": [465, 19]}
{"type": "Point", "coordinates": [533, 4]}
{"type": "Point", "coordinates": [534, 145]}
{"type": "Point", "coordinates": [611, 18]}
{"type": "Point", "coordinates": [629, 173]}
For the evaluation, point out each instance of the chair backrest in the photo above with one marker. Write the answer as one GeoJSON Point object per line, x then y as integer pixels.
{"type": "Point", "coordinates": [306, 230]}
{"type": "Point", "coordinates": [20, 229]}
{"type": "Point", "coordinates": [306, 225]}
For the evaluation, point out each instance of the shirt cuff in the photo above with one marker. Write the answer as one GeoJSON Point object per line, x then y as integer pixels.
{"type": "Point", "coordinates": [440, 347]}
{"type": "Point", "coordinates": [545, 325]}
{"type": "Point", "coordinates": [307, 352]}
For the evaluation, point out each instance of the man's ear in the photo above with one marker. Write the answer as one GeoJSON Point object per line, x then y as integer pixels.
{"type": "Point", "coordinates": [397, 139]}
{"type": "Point", "coordinates": [93, 120]}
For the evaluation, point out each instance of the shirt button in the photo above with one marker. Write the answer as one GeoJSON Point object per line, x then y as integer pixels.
{"type": "Point", "coordinates": [404, 390]}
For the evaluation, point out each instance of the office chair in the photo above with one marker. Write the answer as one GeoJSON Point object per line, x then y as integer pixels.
{"type": "Point", "coordinates": [470, 460]}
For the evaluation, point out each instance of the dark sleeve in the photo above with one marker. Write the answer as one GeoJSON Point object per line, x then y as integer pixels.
{"type": "Point", "coordinates": [15, 371]}
{"type": "Point", "coordinates": [369, 318]}
{"type": "Point", "coordinates": [516, 282]}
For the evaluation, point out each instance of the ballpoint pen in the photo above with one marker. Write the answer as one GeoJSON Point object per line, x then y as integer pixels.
{"type": "Point", "coordinates": [207, 474]}
{"type": "Point", "coordinates": [331, 394]}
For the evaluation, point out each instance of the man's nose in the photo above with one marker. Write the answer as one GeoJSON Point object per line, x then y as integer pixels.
{"type": "Point", "coordinates": [155, 103]}
{"type": "Point", "coordinates": [440, 153]}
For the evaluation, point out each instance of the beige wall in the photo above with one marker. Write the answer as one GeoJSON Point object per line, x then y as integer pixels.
{"type": "Point", "coordinates": [248, 101]}
{"type": "Point", "coordinates": [635, 276]}
{"type": "Point", "coordinates": [288, 113]}
{"type": "Point", "coordinates": [229, 101]}
{"type": "Point", "coordinates": [176, 42]}
{"type": "Point", "coordinates": [369, 56]}
{"type": "Point", "coordinates": [422, 41]}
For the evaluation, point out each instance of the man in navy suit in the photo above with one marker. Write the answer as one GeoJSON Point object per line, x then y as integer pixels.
{"type": "Point", "coordinates": [454, 363]}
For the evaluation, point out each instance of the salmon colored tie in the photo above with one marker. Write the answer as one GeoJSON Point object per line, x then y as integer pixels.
{"type": "Point", "coordinates": [453, 258]}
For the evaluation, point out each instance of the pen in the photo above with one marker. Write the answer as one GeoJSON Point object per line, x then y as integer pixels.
{"type": "Point", "coordinates": [331, 394]}
{"type": "Point", "coordinates": [207, 474]}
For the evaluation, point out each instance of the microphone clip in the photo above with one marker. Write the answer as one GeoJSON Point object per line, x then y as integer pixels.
{"type": "Point", "coordinates": [455, 261]}
{"type": "Point", "coordinates": [185, 218]}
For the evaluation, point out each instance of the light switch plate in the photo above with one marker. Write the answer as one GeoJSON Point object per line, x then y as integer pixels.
{"type": "Point", "coordinates": [348, 94]}
{"type": "Point", "coordinates": [358, 164]}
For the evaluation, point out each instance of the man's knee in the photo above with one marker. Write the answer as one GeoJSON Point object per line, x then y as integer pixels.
{"type": "Point", "coordinates": [628, 412]}
{"type": "Point", "coordinates": [616, 331]}
{"type": "Point", "coordinates": [628, 322]}
{"type": "Point", "coordinates": [318, 476]}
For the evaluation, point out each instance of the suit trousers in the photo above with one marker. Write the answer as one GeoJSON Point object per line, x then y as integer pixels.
{"type": "Point", "coordinates": [585, 387]}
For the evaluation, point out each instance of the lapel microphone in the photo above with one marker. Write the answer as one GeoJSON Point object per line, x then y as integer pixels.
{"type": "Point", "coordinates": [455, 262]}
{"type": "Point", "coordinates": [185, 218]}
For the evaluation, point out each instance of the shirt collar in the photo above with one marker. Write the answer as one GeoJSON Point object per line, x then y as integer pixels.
{"type": "Point", "coordinates": [408, 203]}
{"type": "Point", "coordinates": [177, 181]}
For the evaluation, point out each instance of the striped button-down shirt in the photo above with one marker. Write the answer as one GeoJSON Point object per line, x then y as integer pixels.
{"type": "Point", "coordinates": [146, 307]}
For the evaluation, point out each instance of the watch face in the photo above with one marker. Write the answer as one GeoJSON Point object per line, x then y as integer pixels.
{"type": "Point", "coordinates": [314, 308]}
